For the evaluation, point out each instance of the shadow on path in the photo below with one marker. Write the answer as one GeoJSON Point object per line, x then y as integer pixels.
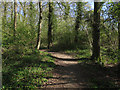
{"type": "Point", "coordinates": [68, 59]}
{"type": "Point", "coordinates": [71, 74]}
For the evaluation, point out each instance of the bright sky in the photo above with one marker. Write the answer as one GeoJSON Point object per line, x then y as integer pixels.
{"type": "Point", "coordinates": [92, 5]}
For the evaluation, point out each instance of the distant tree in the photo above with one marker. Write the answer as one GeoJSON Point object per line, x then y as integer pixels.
{"type": "Point", "coordinates": [23, 5]}
{"type": "Point", "coordinates": [114, 15]}
{"type": "Point", "coordinates": [15, 17]}
{"type": "Point", "coordinates": [39, 26]}
{"type": "Point", "coordinates": [24, 12]}
{"type": "Point", "coordinates": [50, 23]}
{"type": "Point", "coordinates": [31, 15]}
{"type": "Point", "coordinates": [67, 10]}
{"type": "Point", "coordinates": [4, 16]}
{"type": "Point", "coordinates": [11, 11]}
{"type": "Point", "coordinates": [78, 19]}
{"type": "Point", "coordinates": [96, 32]}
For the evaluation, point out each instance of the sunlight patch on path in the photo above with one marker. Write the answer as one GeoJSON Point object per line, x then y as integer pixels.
{"type": "Point", "coordinates": [63, 56]}
{"type": "Point", "coordinates": [64, 76]}
{"type": "Point", "coordinates": [65, 63]}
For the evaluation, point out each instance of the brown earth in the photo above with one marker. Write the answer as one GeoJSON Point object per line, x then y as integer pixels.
{"type": "Point", "coordinates": [71, 74]}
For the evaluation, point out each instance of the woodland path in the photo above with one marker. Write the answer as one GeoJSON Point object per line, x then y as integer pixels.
{"type": "Point", "coordinates": [71, 74]}
{"type": "Point", "coordinates": [68, 73]}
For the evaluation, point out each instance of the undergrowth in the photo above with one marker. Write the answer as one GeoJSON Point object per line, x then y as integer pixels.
{"type": "Point", "coordinates": [28, 70]}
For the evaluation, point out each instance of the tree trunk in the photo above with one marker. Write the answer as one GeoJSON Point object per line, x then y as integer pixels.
{"type": "Point", "coordinates": [4, 16]}
{"type": "Point", "coordinates": [39, 26]}
{"type": "Point", "coordinates": [67, 10]}
{"type": "Point", "coordinates": [11, 17]}
{"type": "Point", "coordinates": [31, 15]}
{"type": "Point", "coordinates": [11, 11]}
{"type": "Point", "coordinates": [96, 32]}
{"type": "Point", "coordinates": [77, 24]}
{"type": "Point", "coordinates": [19, 13]}
{"type": "Point", "coordinates": [15, 17]}
{"type": "Point", "coordinates": [50, 23]}
{"type": "Point", "coordinates": [89, 40]}
{"type": "Point", "coordinates": [24, 13]}
{"type": "Point", "coordinates": [119, 38]}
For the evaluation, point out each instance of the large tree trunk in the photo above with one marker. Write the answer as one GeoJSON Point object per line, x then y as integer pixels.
{"type": "Point", "coordinates": [119, 38]}
{"type": "Point", "coordinates": [96, 32]}
{"type": "Point", "coordinates": [119, 33]}
{"type": "Point", "coordinates": [15, 18]}
{"type": "Point", "coordinates": [39, 26]}
{"type": "Point", "coordinates": [77, 24]}
{"type": "Point", "coordinates": [50, 24]}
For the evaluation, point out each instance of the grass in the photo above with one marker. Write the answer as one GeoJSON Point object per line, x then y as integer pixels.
{"type": "Point", "coordinates": [79, 53]}
{"type": "Point", "coordinates": [85, 53]}
{"type": "Point", "coordinates": [28, 70]}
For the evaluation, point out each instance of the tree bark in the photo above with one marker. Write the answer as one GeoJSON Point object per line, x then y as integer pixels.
{"type": "Point", "coordinates": [39, 26]}
{"type": "Point", "coordinates": [50, 23]}
{"type": "Point", "coordinates": [4, 16]}
{"type": "Point", "coordinates": [96, 32]}
{"type": "Point", "coordinates": [67, 10]}
{"type": "Point", "coordinates": [19, 13]}
{"type": "Point", "coordinates": [31, 15]}
{"type": "Point", "coordinates": [15, 18]}
{"type": "Point", "coordinates": [24, 13]}
{"type": "Point", "coordinates": [89, 40]}
{"type": "Point", "coordinates": [77, 24]}
{"type": "Point", "coordinates": [119, 37]}
{"type": "Point", "coordinates": [11, 11]}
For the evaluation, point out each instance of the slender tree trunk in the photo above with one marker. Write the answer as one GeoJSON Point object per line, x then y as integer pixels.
{"type": "Point", "coordinates": [96, 32]}
{"type": "Point", "coordinates": [31, 15]}
{"type": "Point", "coordinates": [89, 40]}
{"type": "Point", "coordinates": [11, 17]}
{"type": "Point", "coordinates": [19, 13]}
{"type": "Point", "coordinates": [50, 24]}
{"type": "Point", "coordinates": [4, 16]}
{"type": "Point", "coordinates": [11, 11]}
{"type": "Point", "coordinates": [77, 24]}
{"type": "Point", "coordinates": [15, 18]}
{"type": "Point", "coordinates": [39, 26]}
{"type": "Point", "coordinates": [24, 13]}
{"type": "Point", "coordinates": [67, 10]}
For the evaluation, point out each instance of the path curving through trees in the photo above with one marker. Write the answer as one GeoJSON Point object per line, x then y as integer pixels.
{"type": "Point", "coordinates": [68, 73]}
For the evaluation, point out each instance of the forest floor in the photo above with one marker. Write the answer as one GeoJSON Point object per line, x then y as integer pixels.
{"type": "Point", "coordinates": [70, 73]}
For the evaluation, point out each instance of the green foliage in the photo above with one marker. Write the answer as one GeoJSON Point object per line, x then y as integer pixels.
{"type": "Point", "coordinates": [24, 66]}
{"type": "Point", "coordinates": [29, 70]}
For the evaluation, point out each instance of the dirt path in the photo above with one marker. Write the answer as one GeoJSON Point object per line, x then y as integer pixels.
{"type": "Point", "coordinates": [71, 74]}
{"type": "Point", "coordinates": [68, 74]}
